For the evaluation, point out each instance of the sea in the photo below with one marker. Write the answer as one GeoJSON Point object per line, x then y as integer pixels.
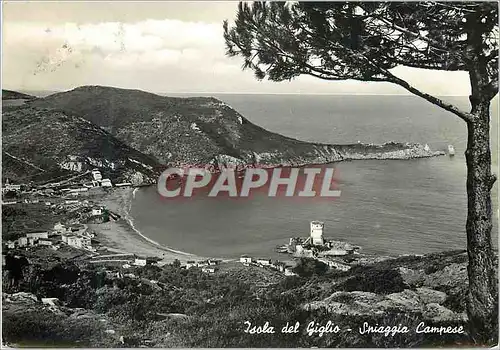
{"type": "Point", "coordinates": [387, 207]}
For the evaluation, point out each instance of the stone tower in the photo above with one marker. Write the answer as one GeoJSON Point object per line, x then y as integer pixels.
{"type": "Point", "coordinates": [317, 232]}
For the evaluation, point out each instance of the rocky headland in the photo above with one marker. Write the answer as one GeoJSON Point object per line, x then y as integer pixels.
{"type": "Point", "coordinates": [135, 134]}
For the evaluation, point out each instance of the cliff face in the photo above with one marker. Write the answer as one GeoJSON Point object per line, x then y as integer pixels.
{"type": "Point", "coordinates": [203, 130]}
{"type": "Point", "coordinates": [41, 144]}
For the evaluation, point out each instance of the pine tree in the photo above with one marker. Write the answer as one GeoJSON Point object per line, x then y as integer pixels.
{"type": "Point", "coordinates": [364, 41]}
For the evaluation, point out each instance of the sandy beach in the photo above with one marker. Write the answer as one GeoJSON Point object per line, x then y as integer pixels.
{"type": "Point", "coordinates": [121, 235]}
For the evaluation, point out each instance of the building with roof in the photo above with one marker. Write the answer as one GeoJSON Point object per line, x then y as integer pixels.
{"type": "Point", "coordinates": [79, 241]}
{"type": "Point", "coordinates": [208, 269]}
{"type": "Point", "coordinates": [22, 241]}
{"type": "Point", "coordinates": [190, 263]}
{"type": "Point", "coordinates": [245, 259]}
{"type": "Point", "coordinates": [96, 175]}
{"type": "Point", "coordinates": [106, 183]}
{"type": "Point", "coordinates": [38, 234]}
{"type": "Point", "coordinates": [264, 261]}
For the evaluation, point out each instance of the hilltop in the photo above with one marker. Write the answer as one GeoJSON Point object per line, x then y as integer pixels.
{"type": "Point", "coordinates": [202, 130]}
{"type": "Point", "coordinates": [40, 144]}
{"type": "Point", "coordinates": [14, 95]}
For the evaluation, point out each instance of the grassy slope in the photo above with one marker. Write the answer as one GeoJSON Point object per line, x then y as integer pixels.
{"type": "Point", "coordinates": [217, 305]}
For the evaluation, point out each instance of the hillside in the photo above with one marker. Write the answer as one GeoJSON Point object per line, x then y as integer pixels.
{"type": "Point", "coordinates": [41, 144]}
{"type": "Point", "coordinates": [210, 310]}
{"type": "Point", "coordinates": [202, 130]}
{"type": "Point", "coordinates": [14, 95]}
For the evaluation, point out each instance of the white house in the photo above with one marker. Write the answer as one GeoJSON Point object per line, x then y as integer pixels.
{"type": "Point", "coordinates": [122, 184]}
{"type": "Point", "coordinates": [44, 242]}
{"type": "Point", "coordinates": [208, 269]}
{"type": "Point", "coordinates": [245, 259]}
{"type": "Point", "coordinates": [264, 261]}
{"type": "Point", "coordinates": [213, 262]}
{"type": "Point", "coordinates": [11, 244]}
{"type": "Point", "coordinates": [96, 175]}
{"type": "Point", "coordinates": [96, 211]}
{"type": "Point", "coordinates": [91, 184]}
{"type": "Point", "coordinates": [114, 274]}
{"type": "Point", "coordinates": [140, 262]}
{"type": "Point", "coordinates": [106, 183]}
{"type": "Point", "coordinates": [41, 234]}
{"type": "Point", "coordinates": [289, 271]}
{"type": "Point", "coordinates": [73, 241]}
{"type": "Point", "coordinates": [280, 266]}
{"type": "Point", "coordinates": [190, 263]}
{"type": "Point", "coordinates": [78, 242]}
{"type": "Point", "coordinates": [22, 241]}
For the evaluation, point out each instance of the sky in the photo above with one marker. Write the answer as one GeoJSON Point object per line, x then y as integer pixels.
{"type": "Point", "coordinates": [162, 47]}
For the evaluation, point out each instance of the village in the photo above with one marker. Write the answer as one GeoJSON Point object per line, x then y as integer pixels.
{"type": "Point", "coordinates": [73, 199]}
{"type": "Point", "coordinates": [74, 240]}
{"type": "Point", "coordinates": [76, 198]}
{"type": "Point", "coordinates": [70, 189]}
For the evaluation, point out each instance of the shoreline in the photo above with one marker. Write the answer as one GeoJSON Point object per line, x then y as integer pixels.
{"type": "Point", "coordinates": [122, 236]}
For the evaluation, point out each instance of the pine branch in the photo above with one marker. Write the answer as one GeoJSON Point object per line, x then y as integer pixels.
{"type": "Point", "coordinates": [432, 99]}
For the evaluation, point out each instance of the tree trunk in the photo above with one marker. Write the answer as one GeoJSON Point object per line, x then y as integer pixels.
{"type": "Point", "coordinates": [482, 302]}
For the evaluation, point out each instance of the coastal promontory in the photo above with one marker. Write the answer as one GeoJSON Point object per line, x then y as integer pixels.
{"type": "Point", "coordinates": [139, 132]}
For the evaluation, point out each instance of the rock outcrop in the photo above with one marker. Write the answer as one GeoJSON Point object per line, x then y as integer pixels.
{"type": "Point", "coordinates": [431, 286]}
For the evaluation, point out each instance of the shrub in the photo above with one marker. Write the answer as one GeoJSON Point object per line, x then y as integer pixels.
{"type": "Point", "coordinates": [307, 267]}
{"type": "Point", "coordinates": [376, 281]}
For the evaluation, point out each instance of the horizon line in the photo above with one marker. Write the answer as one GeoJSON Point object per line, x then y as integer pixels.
{"type": "Point", "coordinates": [234, 93]}
{"type": "Point", "coordinates": [302, 93]}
